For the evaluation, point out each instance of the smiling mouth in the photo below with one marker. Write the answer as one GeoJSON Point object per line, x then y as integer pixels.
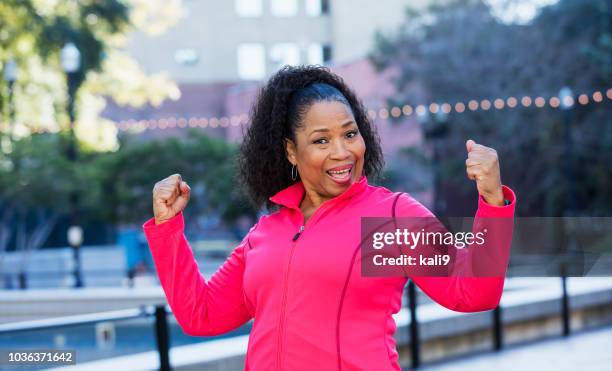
{"type": "Point", "coordinates": [341, 176]}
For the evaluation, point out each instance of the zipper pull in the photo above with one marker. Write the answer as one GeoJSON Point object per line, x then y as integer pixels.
{"type": "Point", "coordinates": [298, 234]}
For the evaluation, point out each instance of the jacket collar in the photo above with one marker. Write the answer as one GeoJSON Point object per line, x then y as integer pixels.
{"type": "Point", "coordinates": [291, 196]}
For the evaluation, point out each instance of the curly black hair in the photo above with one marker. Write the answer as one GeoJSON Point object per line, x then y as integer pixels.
{"type": "Point", "coordinates": [278, 110]}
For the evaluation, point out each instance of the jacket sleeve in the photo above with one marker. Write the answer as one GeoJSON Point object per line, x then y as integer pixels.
{"type": "Point", "coordinates": [201, 308]}
{"type": "Point", "coordinates": [464, 294]}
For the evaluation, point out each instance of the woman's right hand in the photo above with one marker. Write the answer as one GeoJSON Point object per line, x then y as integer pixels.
{"type": "Point", "coordinates": [170, 197]}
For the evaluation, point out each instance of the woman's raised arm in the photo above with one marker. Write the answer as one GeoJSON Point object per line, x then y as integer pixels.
{"type": "Point", "coordinates": [464, 294]}
{"type": "Point", "coordinates": [472, 293]}
{"type": "Point", "coordinates": [201, 308]}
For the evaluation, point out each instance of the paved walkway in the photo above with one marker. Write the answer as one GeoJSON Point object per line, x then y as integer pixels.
{"type": "Point", "coordinates": [590, 350]}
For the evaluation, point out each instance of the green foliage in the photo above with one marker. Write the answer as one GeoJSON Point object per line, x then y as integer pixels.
{"type": "Point", "coordinates": [36, 173]}
{"type": "Point", "coordinates": [116, 187]}
{"type": "Point", "coordinates": [32, 34]}
{"type": "Point", "coordinates": [123, 181]}
{"type": "Point", "coordinates": [87, 24]}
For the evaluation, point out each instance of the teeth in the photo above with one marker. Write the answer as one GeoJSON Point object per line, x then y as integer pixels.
{"type": "Point", "coordinates": [340, 172]}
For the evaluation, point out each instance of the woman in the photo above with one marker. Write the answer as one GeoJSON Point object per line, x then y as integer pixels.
{"type": "Point", "coordinates": [307, 155]}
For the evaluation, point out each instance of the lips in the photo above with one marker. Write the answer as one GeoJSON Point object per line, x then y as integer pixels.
{"type": "Point", "coordinates": [341, 174]}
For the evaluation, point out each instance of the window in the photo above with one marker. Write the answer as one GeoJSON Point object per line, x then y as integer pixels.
{"type": "Point", "coordinates": [318, 53]}
{"type": "Point", "coordinates": [315, 54]}
{"type": "Point", "coordinates": [324, 6]}
{"type": "Point", "coordinates": [186, 57]}
{"type": "Point", "coordinates": [251, 61]}
{"type": "Point", "coordinates": [249, 8]}
{"type": "Point", "coordinates": [317, 7]}
{"type": "Point", "coordinates": [284, 53]}
{"type": "Point", "coordinates": [284, 8]}
{"type": "Point", "coordinates": [327, 53]}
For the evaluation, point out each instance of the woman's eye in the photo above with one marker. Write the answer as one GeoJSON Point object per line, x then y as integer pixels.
{"type": "Point", "coordinates": [351, 134]}
{"type": "Point", "coordinates": [320, 141]}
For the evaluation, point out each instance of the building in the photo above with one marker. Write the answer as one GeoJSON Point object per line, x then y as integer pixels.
{"type": "Point", "coordinates": [250, 39]}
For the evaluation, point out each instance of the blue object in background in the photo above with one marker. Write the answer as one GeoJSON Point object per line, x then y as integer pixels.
{"type": "Point", "coordinates": [137, 254]}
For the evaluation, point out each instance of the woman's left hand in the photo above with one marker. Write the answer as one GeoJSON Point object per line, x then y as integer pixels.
{"type": "Point", "coordinates": [482, 165]}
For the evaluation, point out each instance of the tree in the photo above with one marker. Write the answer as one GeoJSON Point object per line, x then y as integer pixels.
{"type": "Point", "coordinates": [461, 51]}
{"type": "Point", "coordinates": [34, 32]}
{"type": "Point", "coordinates": [120, 183]}
{"type": "Point", "coordinates": [36, 179]}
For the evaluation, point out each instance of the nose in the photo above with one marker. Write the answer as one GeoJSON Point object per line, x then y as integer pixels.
{"type": "Point", "coordinates": [339, 150]}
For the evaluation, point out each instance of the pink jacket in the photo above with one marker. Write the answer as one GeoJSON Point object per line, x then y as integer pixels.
{"type": "Point", "coordinates": [312, 309]}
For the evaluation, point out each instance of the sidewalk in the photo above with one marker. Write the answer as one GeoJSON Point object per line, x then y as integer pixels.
{"type": "Point", "coordinates": [586, 351]}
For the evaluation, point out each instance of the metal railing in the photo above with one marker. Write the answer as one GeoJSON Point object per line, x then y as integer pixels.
{"type": "Point", "coordinates": [159, 313]}
{"type": "Point", "coordinates": [21, 280]}
{"type": "Point", "coordinates": [497, 325]}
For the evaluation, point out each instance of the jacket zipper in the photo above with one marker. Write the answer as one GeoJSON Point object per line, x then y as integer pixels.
{"type": "Point", "coordinates": [298, 233]}
{"type": "Point", "coordinates": [284, 304]}
{"type": "Point", "coordinates": [286, 286]}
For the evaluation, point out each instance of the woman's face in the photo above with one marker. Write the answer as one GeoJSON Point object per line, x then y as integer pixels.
{"type": "Point", "coordinates": [329, 149]}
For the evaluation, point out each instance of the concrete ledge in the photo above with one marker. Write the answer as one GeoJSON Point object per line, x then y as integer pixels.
{"type": "Point", "coordinates": [18, 305]}
{"type": "Point", "coordinates": [528, 315]}
{"type": "Point", "coordinates": [223, 354]}
{"type": "Point", "coordinates": [530, 311]}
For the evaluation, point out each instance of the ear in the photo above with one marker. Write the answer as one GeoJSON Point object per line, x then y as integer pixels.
{"type": "Point", "coordinates": [290, 150]}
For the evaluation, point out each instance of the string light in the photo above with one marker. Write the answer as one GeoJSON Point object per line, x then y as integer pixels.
{"type": "Point", "coordinates": [382, 113]}
{"type": "Point", "coordinates": [396, 112]}
{"type": "Point", "coordinates": [554, 102]}
{"type": "Point", "coordinates": [526, 101]}
{"type": "Point", "coordinates": [420, 110]}
{"type": "Point", "coordinates": [473, 105]}
{"type": "Point", "coordinates": [597, 97]}
{"type": "Point", "coordinates": [511, 102]}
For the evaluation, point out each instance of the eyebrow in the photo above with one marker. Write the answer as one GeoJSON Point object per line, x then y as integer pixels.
{"type": "Point", "coordinates": [326, 130]}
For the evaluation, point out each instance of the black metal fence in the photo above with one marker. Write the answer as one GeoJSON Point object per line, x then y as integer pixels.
{"type": "Point", "coordinates": [159, 313]}
{"type": "Point", "coordinates": [497, 327]}
{"type": "Point", "coordinates": [162, 336]}
{"type": "Point", "coordinates": [21, 280]}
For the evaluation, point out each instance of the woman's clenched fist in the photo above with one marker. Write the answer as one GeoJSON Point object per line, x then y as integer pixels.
{"type": "Point", "coordinates": [482, 165]}
{"type": "Point", "coordinates": [170, 196]}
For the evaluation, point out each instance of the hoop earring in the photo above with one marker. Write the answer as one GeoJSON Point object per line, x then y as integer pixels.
{"type": "Point", "coordinates": [293, 173]}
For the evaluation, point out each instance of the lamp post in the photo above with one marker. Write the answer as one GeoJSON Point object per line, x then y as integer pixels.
{"type": "Point", "coordinates": [422, 116]}
{"type": "Point", "coordinates": [435, 130]}
{"type": "Point", "coordinates": [438, 133]}
{"type": "Point", "coordinates": [566, 96]}
{"type": "Point", "coordinates": [70, 58]}
{"type": "Point", "coordinates": [75, 239]}
{"type": "Point", "coordinates": [71, 64]}
{"type": "Point", "coordinates": [10, 75]}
